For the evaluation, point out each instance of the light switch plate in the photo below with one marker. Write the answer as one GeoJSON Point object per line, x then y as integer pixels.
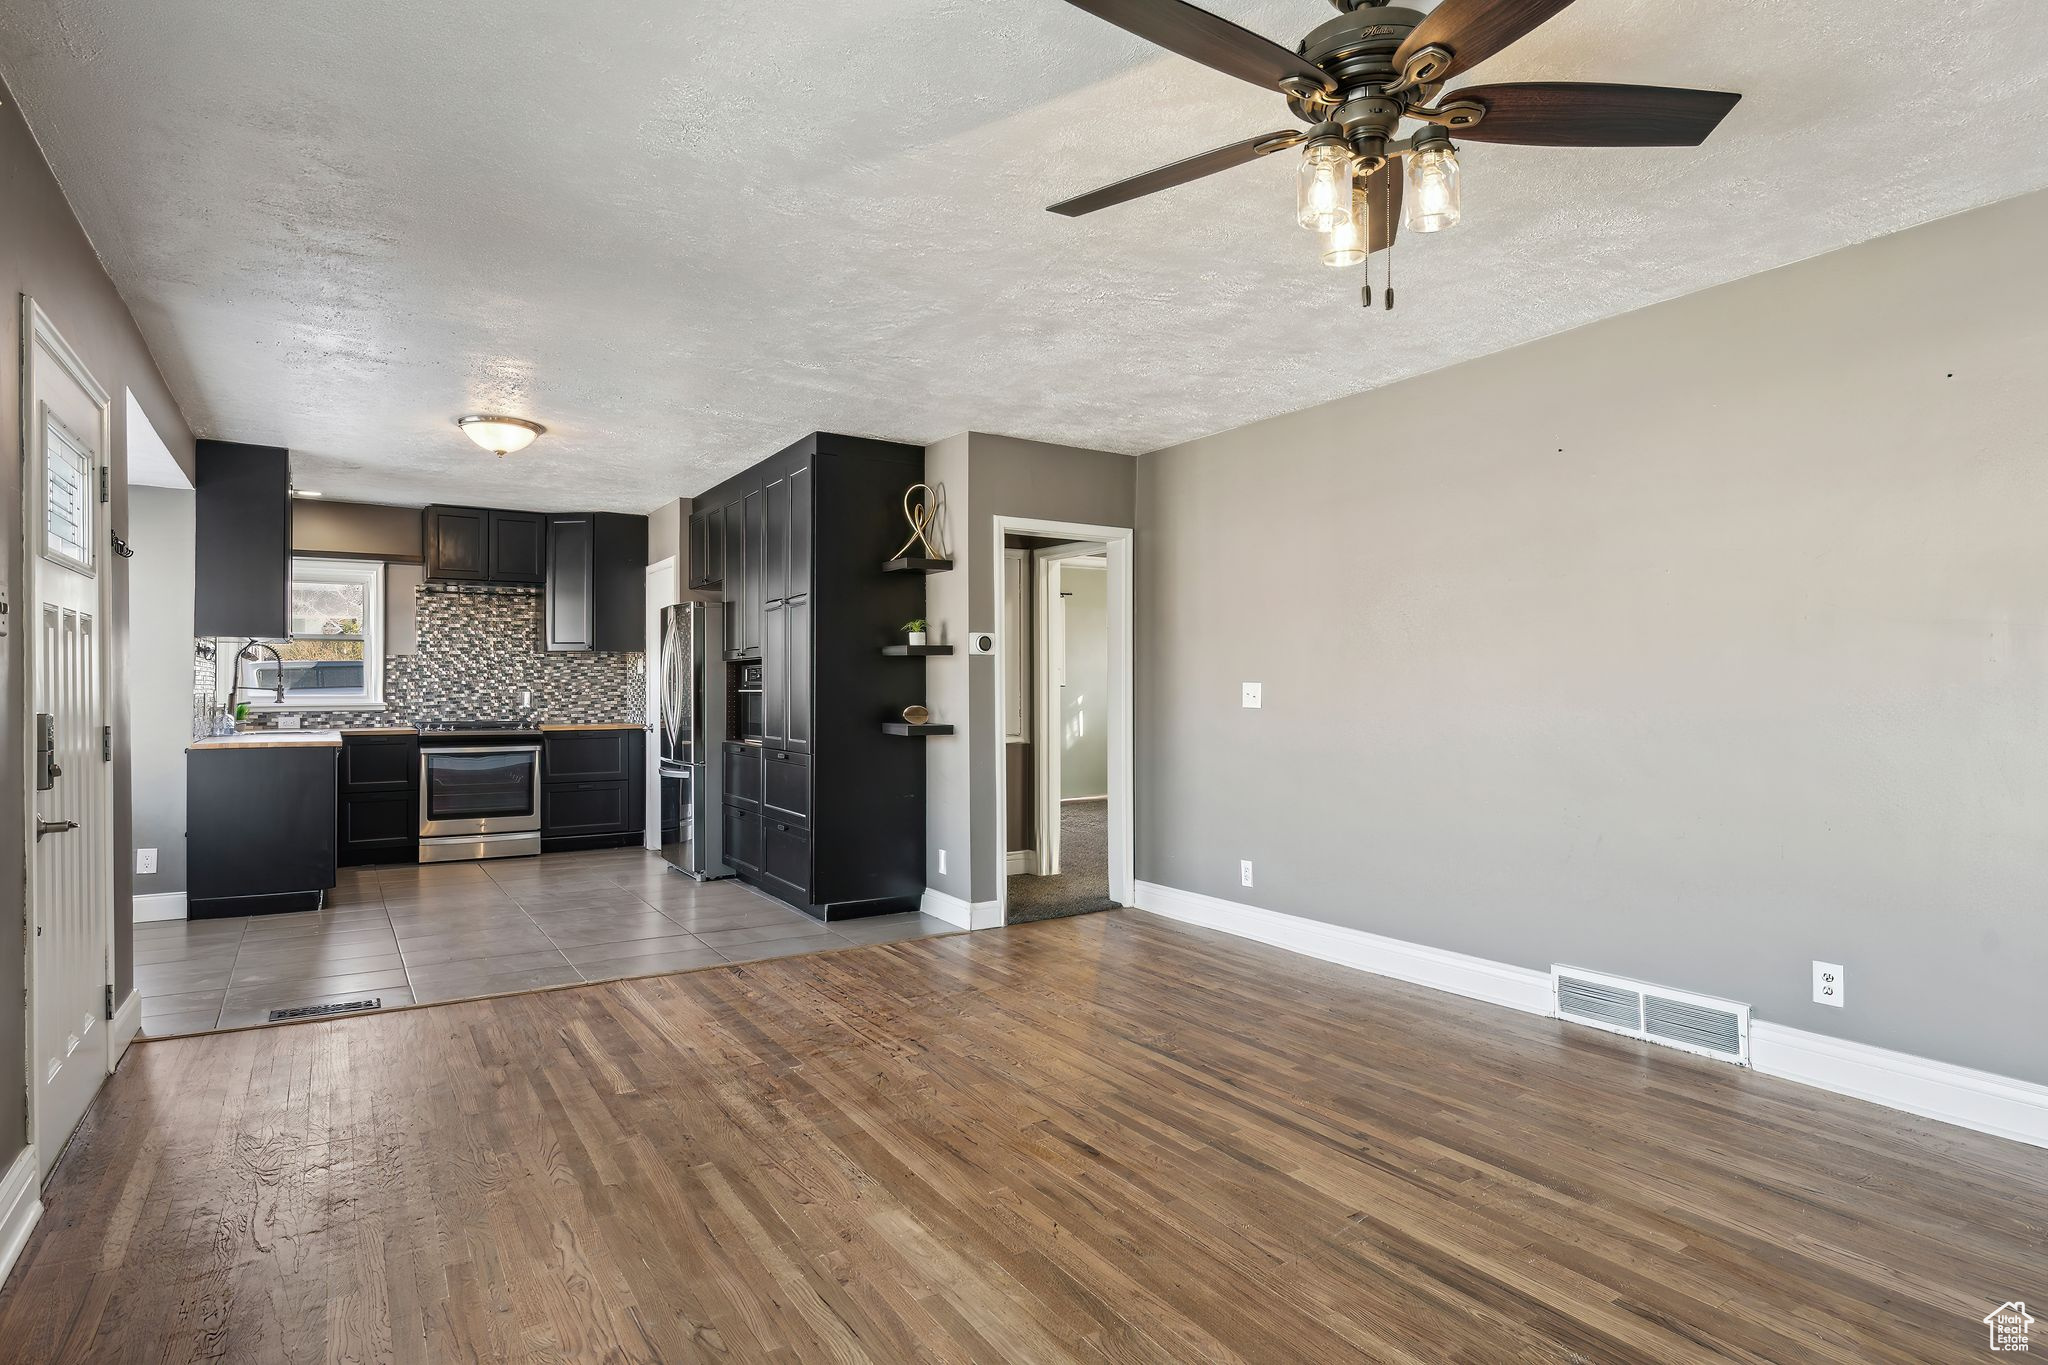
{"type": "Point", "coordinates": [1254, 696]}
{"type": "Point", "coordinates": [1827, 984]}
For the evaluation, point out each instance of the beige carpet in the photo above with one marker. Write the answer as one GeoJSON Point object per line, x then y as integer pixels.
{"type": "Point", "coordinates": [1082, 886]}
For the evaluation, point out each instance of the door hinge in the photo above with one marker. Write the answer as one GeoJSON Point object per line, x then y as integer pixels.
{"type": "Point", "coordinates": [110, 1002]}
{"type": "Point", "coordinates": [106, 744]}
{"type": "Point", "coordinates": [105, 494]}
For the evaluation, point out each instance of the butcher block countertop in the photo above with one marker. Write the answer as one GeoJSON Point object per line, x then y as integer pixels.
{"type": "Point", "coordinates": [598, 725]}
{"type": "Point", "coordinates": [270, 739]}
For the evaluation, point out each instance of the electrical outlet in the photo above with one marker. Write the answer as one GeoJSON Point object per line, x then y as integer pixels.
{"type": "Point", "coordinates": [1827, 984]}
{"type": "Point", "coordinates": [1244, 872]}
{"type": "Point", "coordinates": [1253, 700]}
{"type": "Point", "coordinates": [942, 862]}
{"type": "Point", "coordinates": [145, 861]}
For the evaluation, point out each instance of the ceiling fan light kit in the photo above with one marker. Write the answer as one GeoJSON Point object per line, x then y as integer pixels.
{"type": "Point", "coordinates": [1354, 79]}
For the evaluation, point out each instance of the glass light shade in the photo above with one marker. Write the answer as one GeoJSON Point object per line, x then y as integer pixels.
{"type": "Point", "coordinates": [501, 435]}
{"type": "Point", "coordinates": [1322, 188]}
{"type": "Point", "coordinates": [1433, 199]}
{"type": "Point", "coordinates": [1350, 244]}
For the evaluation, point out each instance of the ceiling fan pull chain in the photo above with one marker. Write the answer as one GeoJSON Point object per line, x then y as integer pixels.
{"type": "Point", "coordinates": [1387, 231]}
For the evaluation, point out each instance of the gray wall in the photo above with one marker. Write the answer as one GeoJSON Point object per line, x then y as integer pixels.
{"type": "Point", "coordinates": [45, 255]}
{"type": "Point", "coordinates": [977, 479]}
{"type": "Point", "coordinates": [1693, 645]}
{"type": "Point", "coordinates": [1084, 719]}
{"type": "Point", "coordinates": [160, 676]}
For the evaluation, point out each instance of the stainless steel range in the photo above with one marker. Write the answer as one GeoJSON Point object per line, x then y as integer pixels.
{"type": "Point", "coordinates": [479, 790]}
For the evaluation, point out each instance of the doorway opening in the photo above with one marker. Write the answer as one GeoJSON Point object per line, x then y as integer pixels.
{"type": "Point", "coordinates": [1064, 782]}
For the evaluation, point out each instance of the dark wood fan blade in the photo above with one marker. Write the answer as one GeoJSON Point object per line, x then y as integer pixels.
{"type": "Point", "coordinates": [1473, 30]}
{"type": "Point", "coordinates": [1208, 39]}
{"type": "Point", "coordinates": [1179, 173]}
{"type": "Point", "coordinates": [1569, 114]}
{"type": "Point", "coordinates": [1383, 205]}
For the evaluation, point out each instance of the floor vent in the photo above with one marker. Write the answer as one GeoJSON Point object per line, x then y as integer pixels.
{"type": "Point", "coordinates": [1680, 1019]}
{"type": "Point", "coordinates": [316, 1011]}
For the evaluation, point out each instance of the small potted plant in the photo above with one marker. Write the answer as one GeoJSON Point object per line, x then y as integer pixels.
{"type": "Point", "coordinates": [914, 631]}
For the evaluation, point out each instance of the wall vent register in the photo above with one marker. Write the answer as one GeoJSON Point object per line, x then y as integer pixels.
{"type": "Point", "coordinates": [1654, 1014]}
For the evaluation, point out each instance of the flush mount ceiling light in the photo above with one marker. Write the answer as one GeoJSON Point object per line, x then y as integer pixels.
{"type": "Point", "coordinates": [1356, 78]}
{"type": "Point", "coordinates": [500, 435]}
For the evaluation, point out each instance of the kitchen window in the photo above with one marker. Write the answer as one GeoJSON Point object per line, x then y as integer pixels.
{"type": "Point", "coordinates": [334, 659]}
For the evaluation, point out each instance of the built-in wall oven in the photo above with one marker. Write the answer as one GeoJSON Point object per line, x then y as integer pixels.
{"type": "Point", "coordinates": [747, 701]}
{"type": "Point", "coordinates": [479, 793]}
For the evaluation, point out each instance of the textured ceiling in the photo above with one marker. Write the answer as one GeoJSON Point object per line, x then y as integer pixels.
{"type": "Point", "coordinates": [684, 235]}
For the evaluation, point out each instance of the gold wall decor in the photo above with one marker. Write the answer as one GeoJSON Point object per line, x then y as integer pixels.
{"type": "Point", "coordinates": [918, 512]}
{"type": "Point", "coordinates": [916, 715]}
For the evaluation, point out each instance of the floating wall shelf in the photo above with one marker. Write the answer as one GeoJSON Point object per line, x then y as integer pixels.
{"type": "Point", "coordinates": [897, 727]}
{"type": "Point", "coordinates": [915, 651]}
{"type": "Point", "coordinates": [916, 565]}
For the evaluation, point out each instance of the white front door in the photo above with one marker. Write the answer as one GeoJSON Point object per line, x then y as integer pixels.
{"type": "Point", "coordinates": [70, 829]}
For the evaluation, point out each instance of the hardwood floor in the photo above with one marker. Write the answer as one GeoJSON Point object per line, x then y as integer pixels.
{"type": "Point", "coordinates": [1103, 1138]}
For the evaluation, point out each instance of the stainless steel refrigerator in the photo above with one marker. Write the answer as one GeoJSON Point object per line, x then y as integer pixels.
{"type": "Point", "coordinates": [692, 732]}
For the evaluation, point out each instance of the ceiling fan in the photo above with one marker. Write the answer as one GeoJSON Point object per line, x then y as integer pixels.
{"type": "Point", "coordinates": [1355, 79]}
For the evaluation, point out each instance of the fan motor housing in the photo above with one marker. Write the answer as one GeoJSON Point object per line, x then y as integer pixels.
{"type": "Point", "coordinates": [1359, 47]}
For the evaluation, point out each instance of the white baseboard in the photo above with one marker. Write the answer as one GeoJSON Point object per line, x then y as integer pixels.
{"type": "Point", "coordinates": [1497, 983]}
{"type": "Point", "coordinates": [964, 914]}
{"type": "Point", "coordinates": [1018, 862]}
{"type": "Point", "coordinates": [1999, 1105]}
{"type": "Point", "coordinates": [126, 1024]}
{"type": "Point", "coordinates": [162, 906]}
{"type": "Point", "coordinates": [21, 1205]}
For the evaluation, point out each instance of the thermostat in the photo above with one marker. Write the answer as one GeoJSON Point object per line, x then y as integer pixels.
{"type": "Point", "coordinates": [981, 642]}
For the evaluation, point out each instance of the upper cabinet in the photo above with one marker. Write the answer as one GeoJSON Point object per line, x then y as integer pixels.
{"type": "Point", "coordinates": [596, 582]}
{"type": "Point", "coordinates": [486, 545]}
{"type": "Point", "coordinates": [519, 547]}
{"type": "Point", "coordinates": [707, 546]}
{"type": "Point", "coordinates": [242, 515]}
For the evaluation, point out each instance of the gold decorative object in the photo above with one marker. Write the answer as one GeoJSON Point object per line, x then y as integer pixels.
{"type": "Point", "coordinates": [916, 715]}
{"type": "Point", "coordinates": [918, 512]}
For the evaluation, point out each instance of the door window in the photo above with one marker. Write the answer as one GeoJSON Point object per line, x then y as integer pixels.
{"type": "Point", "coordinates": [68, 493]}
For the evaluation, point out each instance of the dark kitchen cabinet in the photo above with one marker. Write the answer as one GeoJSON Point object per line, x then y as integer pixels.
{"type": "Point", "coordinates": [459, 543]}
{"type": "Point", "coordinates": [242, 519]}
{"type": "Point", "coordinates": [786, 787]}
{"type": "Point", "coordinates": [743, 775]}
{"type": "Point", "coordinates": [707, 547]}
{"type": "Point", "coordinates": [827, 813]}
{"type": "Point", "coordinates": [732, 519]}
{"type": "Point", "coordinates": [786, 860]}
{"type": "Point", "coordinates": [597, 582]}
{"type": "Point", "coordinates": [486, 545]}
{"type": "Point", "coordinates": [377, 801]}
{"type": "Point", "coordinates": [571, 582]}
{"type": "Point", "coordinates": [519, 547]}
{"type": "Point", "coordinates": [742, 830]}
{"type": "Point", "coordinates": [259, 828]}
{"type": "Point", "coordinates": [592, 788]}
{"type": "Point", "coordinates": [755, 561]}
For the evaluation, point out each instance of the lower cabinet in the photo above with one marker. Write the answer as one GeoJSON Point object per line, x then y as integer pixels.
{"type": "Point", "coordinates": [592, 793]}
{"type": "Point", "coordinates": [377, 806]}
{"type": "Point", "coordinates": [742, 839]}
{"type": "Point", "coordinates": [786, 861]}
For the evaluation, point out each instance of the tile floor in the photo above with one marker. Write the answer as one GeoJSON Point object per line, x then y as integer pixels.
{"type": "Point", "coordinates": [453, 931]}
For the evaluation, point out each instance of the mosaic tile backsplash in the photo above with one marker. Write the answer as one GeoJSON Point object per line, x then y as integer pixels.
{"type": "Point", "coordinates": [479, 647]}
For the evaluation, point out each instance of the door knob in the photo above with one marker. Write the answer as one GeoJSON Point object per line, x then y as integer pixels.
{"type": "Point", "coordinates": [53, 827]}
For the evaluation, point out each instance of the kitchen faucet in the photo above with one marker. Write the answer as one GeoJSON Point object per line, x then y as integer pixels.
{"type": "Point", "coordinates": [248, 651]}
